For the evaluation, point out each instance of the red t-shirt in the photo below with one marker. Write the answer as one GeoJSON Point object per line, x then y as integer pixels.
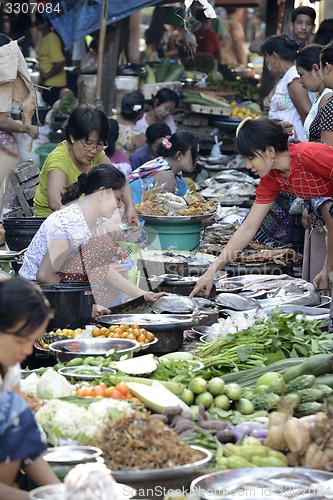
{"type": "Point", "coordinates": [311, 174]}
{"type": "Point", "coordinates": [207, 41]}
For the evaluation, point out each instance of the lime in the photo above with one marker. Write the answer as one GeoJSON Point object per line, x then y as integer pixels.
{"type": "Point", "coordinates": [222, 402]}
{"type": "Point", "coordinates": [233, 391]}
{"type": "Point", "coordinates": [215, 386]}
{"type": "Point", "coordinates": [205, 399]}
{"type": "Point", "coordinates": [261, 389]}
{"type": "Point", "coordinates": [268, 378]}
{"type": "Point", "coordinates": [187, 396]}
{"type": "Point", "coordinates": [197, 385]}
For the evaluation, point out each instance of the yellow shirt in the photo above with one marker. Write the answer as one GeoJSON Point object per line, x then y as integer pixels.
{"type": "Point", "coordinates": [58, 159]}
{"type": "Point", "coordinates": [50, 52]}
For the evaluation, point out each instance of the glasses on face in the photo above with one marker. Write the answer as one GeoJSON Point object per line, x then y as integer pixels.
{"type": "Point", "coordinates": [98, 147]}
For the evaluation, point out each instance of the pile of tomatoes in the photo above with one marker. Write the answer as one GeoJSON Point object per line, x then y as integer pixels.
{"type": "Point", "coordinates": [124, 331]}
{"type": "Point", "coordinates": [119, 391]}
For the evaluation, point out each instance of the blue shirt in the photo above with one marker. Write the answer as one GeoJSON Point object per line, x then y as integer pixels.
{"type": "Point", "coordinates": [140, 156]}
{"type": "Point", "coordinates": [144, 175]}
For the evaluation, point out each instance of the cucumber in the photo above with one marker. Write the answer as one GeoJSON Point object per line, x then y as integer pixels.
{"type": "Point", "coordinates": [305, 409]}
{"type": "Point", "coordinates": [174, 73]}
{"type": "Point", "coordinates": [177, 356]}
{"type": "Point", "coordinates": [301, 382]}
{"type": "Point", "coordinates": [310, 395]}
{"type": "Point", "coordinates": [320, 364]}
{"type": "Point", "coordinates": [162, 69]}
{"type": "Point", "coordinates": [325, 379]}
{"type": "Point", "coordinates": [150, 75]}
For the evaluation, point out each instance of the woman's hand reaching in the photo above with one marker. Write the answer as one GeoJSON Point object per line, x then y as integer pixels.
{"type": "Point", "coordinates": [153, 297]}
{"type": "Point", "coordinates": [203, 286]}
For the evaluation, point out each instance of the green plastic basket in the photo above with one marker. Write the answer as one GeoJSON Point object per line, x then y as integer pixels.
{"type": "Point", "coordinates": [44, 151]}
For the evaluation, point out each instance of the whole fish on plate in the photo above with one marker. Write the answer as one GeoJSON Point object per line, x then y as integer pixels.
{"type": "Point", "coordinates": [236, 302]}
{"type": "Point", "coordinates": [173, 303]}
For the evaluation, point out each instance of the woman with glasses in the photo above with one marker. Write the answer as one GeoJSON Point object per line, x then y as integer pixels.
{"type": "Point", "coordinates": [86, 133]}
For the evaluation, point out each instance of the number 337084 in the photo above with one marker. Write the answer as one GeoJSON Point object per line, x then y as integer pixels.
{"type": "Point", "coordinates": [31, 8]}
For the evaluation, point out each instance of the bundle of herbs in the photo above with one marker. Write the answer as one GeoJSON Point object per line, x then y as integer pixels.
{"type": "Point", "coordinates": [280, 336]}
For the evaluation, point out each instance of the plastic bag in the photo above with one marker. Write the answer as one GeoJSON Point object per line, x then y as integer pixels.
{"type": "Point", "coordinates": [53, 385]}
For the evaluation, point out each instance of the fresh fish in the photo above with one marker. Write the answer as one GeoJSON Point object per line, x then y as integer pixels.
{"type": "Point", "coordinates": [204, 303]}
{"type": "Point", "coordinates": [294, 479]}
{"type": "Point", "coordinates": [236, 302]}
{"type": "Point", "coordinates": [173, 303]}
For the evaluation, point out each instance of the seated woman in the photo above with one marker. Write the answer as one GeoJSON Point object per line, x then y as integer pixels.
{"type": "Point", "coordinates": [73, 245]}
{"type": "Point", "coordinates": [131, 136]}
{"type": "Point", "coordinates": [116, 156]}
{"type": "Point", "coordinates": [163, 104]}
{"type": "Point", "coordinates": [86, 133]}
{"type": "Point", "coordinates": [176, 154]}
{"type": "Point", "coordinates": [25, 314]}
{"type": "Point", "coordinates": [154, 135]}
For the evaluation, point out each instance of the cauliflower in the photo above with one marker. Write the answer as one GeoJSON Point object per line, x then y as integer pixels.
{"type": "Point", "coordinates": [66, 420]}
{"type": "Point", "coordinates": [107, 409]}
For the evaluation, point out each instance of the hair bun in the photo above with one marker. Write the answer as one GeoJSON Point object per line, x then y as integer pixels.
{"type": "Point", "coordinates": [82, 182]}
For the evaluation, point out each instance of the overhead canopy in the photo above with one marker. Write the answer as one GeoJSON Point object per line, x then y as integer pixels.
{"type": "Point", "coordinates": [77, 19]}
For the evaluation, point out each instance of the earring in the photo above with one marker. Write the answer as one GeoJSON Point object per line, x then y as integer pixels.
{"type": "Point", "coordinates": [178, 158]}
{"type": "Point", "coordinates": [272, 160]}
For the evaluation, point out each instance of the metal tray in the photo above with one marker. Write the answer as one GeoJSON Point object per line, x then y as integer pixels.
{"type": "Point", "coordinates": [186, 280]}
{"type": "Point", "coordinates": [71, 455]}
{"type": "Point", "coordinates": [121, 491]}
{"type": "Point", "coordinates": [152, 322]}
{"type": "Point", "coordinates": [201, 330]}
{"type": "Point", "coordinates": [96, 372]}
{"type": "Point", "coordinates": [175, 219]}
{"type": "Point", "coordinates": [10, 254]}
{"type": "Point", "coordinates": [214, 486]}
{"type": "Point", "coordinates": [130, 476]}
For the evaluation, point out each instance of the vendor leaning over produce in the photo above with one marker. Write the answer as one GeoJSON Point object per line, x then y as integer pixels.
{"type": "Point", "coordinates": [177, 153]}
{"type": "Point", "coordinates": [24, 313]}
{"type": "Point", "coordinates": [73, 245]}
{"type": "Point", "coordinates": [304, 169]}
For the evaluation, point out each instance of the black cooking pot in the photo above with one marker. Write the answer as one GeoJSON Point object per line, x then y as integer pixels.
{"type": "Point", "coordinates": [131, 70]}
{"type": "Point", "coordinates": [71, 302]}
{"type": "Point", "coordinates": [20, 231]}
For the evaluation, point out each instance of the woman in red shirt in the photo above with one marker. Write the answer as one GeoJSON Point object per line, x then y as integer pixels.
{"type": "Point", "coordinates": [304, 169]}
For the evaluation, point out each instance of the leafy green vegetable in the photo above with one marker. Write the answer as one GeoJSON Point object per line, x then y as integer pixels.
{"type": "Point", "coordinates": [280, 336]}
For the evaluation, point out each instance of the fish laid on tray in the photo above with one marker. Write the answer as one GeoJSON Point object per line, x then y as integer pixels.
{"type": "Point", "coordinates": [173, 303]}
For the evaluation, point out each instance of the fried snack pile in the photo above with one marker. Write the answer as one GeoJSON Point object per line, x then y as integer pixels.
{"type": "Point", "coordinates": [159, 202]}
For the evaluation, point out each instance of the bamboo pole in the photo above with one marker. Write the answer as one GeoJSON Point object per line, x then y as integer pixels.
{"type": "Point", "coordinates": [101, 46]}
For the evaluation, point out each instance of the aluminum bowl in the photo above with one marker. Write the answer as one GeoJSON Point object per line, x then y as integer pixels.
{"type": "Point", "coordinates": [65, 350]}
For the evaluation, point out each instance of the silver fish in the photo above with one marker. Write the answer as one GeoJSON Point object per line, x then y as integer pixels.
{"type": "Point", "coordinates": [236, 302]}
{"type": "Point", "coordinates": [173, 303]}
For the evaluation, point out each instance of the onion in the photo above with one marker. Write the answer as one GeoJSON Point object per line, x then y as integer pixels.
{"type": "Point", "coordinates": [248, 428]}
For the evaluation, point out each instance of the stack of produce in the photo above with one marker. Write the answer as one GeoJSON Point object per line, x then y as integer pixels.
{"type": "Point", "coordinates": [166, 71]}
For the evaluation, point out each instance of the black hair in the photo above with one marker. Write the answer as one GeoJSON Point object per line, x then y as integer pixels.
{"type": "Point", "coordinates": [4, 39]}
{"type": "Point", "coordinates": [230, 9]}
{"type": "Point", "coordinates": [84, 120]}
{"type": "Point", "coordinates": [180, 141]}
{"type": "Point", "coordinates": [22, 301]}
{"type": "Point", "coordinates": [308, 56]}
{"type": "Point", "coordinates": [201, 16]}
{"type": "Point", "coordinates": [112, 137]}
{"type": "Point", "coordinates": [156, 29]}
{"type": "Point", "coordinates": [324, 33]}
{"type": "Point", "coordinates": [257, 135]}
{"type": "Point", "coordinates": [305, 11]}
{"type": "Point", "coordinates": [165, 95]}
{"type": "Point", "coordinates": [157, 131]}
{"type": "Point", "coordinates": [326, 54]}
{"type": "Point", "coordinates": [103, 175]}
{"type": "Point", "coordinates": [282, 45]}
{"type": "Point", "coordinates": [128, 103]}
